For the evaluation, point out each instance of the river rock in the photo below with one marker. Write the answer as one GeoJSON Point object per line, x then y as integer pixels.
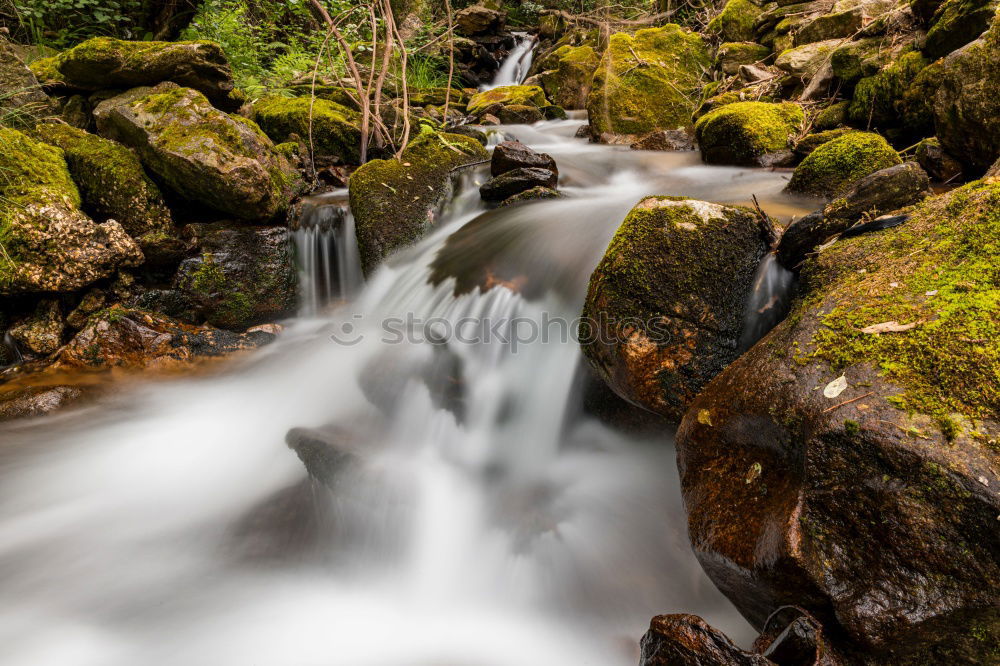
{"type": "Point", "coordinates": [836, 165]}
{"type": "Point", "coordinates": [241, 276]}
{"type": "Point", "coordinates": [567, 82]}
{"type": "Point", "coordinates": [48, 243]}
{"type": "Point", "coordinates": [881, 192]}
{"type": "Point", "coordinates": [395, 202]}
{"type": "Point", "coordinates": [478, 20]}
{"type": "Point", "coordinates": [22, 94]}
{"type": "Point", "coordinates": [511, 155]}
{"type": "Point", "coordinates": [803, 235]}
{"type": "Point", "coordinates": [41, 332]}
{"type": "Point", "coordinates": [225, 162]}
{"type": "Point", "coordinates": [936, 162]}
{"type": "Point", "coordinates": [336, 134]}
{"type": "Point", "coordinates": [744, 132]}
{"type": "Point", "coordinates": [687, 640]}
{"type": "Point", "coordinates": [520, 114]}
{"type": "Point", "coordinates": [491, 101]}
{"type": "Point", "coordinates": [735, 23]}
{"type": "Point", "coordinates": [103, 63]}
{"type": "Point", "coordinates": [112, 183]}
{"type": "Point", "coordinates": [665, 140]}
{"type": "Point", "coordinates": [516, 181]}
{"type": "Point", "coordinates": [656, 328]}
{"type": "Point", "coordinates": [858, 478]}
{"type": "Point", "coordinates": [956, 23]}
{"type": "Point", "coordinates": [31, 401]}
{"type": "Point", "coordinates": [534, 194]}
{"type": "Point", "coordinates": [134, 339]}
{"type": "Point", "coordinates": [647, 82]}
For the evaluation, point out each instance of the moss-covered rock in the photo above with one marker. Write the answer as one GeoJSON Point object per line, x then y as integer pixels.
{"type": "Point", "coordinates": [878, 99]}
{"type": "Point", "coordinates": [832, 116]}
{"type": "Point", "coordinates": [40, 333]}
{"type": "Point", "coordinates": [714, 102]}
{"type": "Point", "coordinates": [733, 54]}
{"type": "Point", "coordinates": [834, 166]}
{"type": "Point", "coordinates": [735, 23]}
{"type": "Point", "coordinates": [804, 61]}
{"type": "Point", "coordinates": [111, 181]}
{"type": "Point", "coordinates": [505, 96]}
{"type": "Point", "coordinates": [102, 63]}
{"type": "Point", "coordinates": [790, 487]}
{"type": "Point", "coordinates": [647, 82]}
{"type": "Point", "coordinates": [807, 144]}
{"type": "Point", "coordinates": [835, 25]}
{"type": "Point", "coordinates": [657, 328]}
{"type": "Point", "coordinates": [225, 162]}
{"type": "Point", "coordinates": [395, 202]}
{"type": "Point", "coordinates": [741, 133]}
{"type": "Point", "coordinates": [865, 57]}
{"type": "Point", "coordinates": [567, 83]}
{"type": "Point", "coordinates": [336, 129]}
{"type": "Point", "coordinates": [46, 72]}
{"type": "Point", "coordinates": [21, 98]}
{"type": "Point", "coordinates": [956, 23]}
{"type": "Point", "coordinates": [46, 242]}
{"type": "Point", "coordinates": [937, 162]}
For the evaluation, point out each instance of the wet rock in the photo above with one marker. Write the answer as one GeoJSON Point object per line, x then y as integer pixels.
{"type": "Point", "coordinates": [22, 94]}
{"type": "Point", "coordinates": [29, 402]}
{"type": "Point", "coordinates": [41, 333]}
{"type": "Point", "coordinates": [174, 303]}
{"type": "Point", "coordinates": [516, 181]}
{"type": "Point", "coordinates": [336, 132]}
{"type": "Point", "coordinates": [568, 76]}
{"type": "Point", "coordinates": [793, 637]}
{"type": "Point", "coordinates": [103, 63]}
{"type": "Point", "coordinates": [112, 183]}
{"type": "Point", "coordinates": [732, 55]}
{"type": "Point", "coordinates": [657, 329]}
{"type": "Point", "coordinates": [534, 194]}
{"type": "Point", "coordinates": [91, 302]}
{"type": "Point", "coordinates": [49, 243]}
{"type": "Point", "coordinates": [956, 23]}
{"type": "Point", "coordinates": [225, 162]}
{"type": "Point", "coordinates": [511, 155]}
{"type": "Point", "coordinates": [881, 192]}
{"type": "Point", "coordinates": [520, 114]}
{"type": "Point", "coordinates": [687, 640]}
{"type": "Point", "coordinates": [241, 276]}
{"type": "Point", "coordinates": [647, 82]}
{"type": "Point", "coordinates": [743, 132]}
{"type": "Point", "coordinates": [478, 20]}
{"type": "Point", "coordinates": [327, 452]}
{"type": "Point", "coordinates": [134, 339]}
{"type": "Point", "coordinates": [858, 479]}
{"type": "Point", "coordinates": [803, 236]}
{"type": "Point", "coordinates": [396, 201]}
{"type": "Point", "coordinates": [836, 165]}
{"type": "Point", "coordinates": [936, 162]}
{"type": "Point", "coordinates": [665, 140]}
{"type": "Point", "coordinates": [492, 101]}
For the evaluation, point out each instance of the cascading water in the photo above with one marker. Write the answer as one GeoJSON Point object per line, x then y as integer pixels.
{"type": "Point", "coordinates": [326, 252]}
{"type": "Point", "coordinates": [464, 518]}
{"type": "Point", "coordinates": [514, 69]}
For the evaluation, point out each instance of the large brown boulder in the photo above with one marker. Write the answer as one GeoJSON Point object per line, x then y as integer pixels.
{"type": "Point", "coordinates": [664, 310]}
{"type": "Point", "coordinates": [687, 640]}
{"type": "Point", "coordinates": [478, 20]}
{"type": "Point", "coordinates": [848, 463]}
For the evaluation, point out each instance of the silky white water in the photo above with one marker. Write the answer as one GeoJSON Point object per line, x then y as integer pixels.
{"type": "Point", "coordinates": [480, 518]}
{"type": "Point", "coordinates": [514, 68]}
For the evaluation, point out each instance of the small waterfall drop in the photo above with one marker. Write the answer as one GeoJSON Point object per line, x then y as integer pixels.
{"type": "Point", "coordinates": [769, 301]}
{"type": "Point", "coordinates": [514, 69]}
{"type": "Point", "coordinates": [326, 251]}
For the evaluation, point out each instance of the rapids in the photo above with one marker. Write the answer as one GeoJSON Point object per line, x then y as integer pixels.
{"type": "Point", "coordinates": [170, 524]}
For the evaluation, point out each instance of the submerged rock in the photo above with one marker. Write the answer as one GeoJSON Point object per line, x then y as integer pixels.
{"type": "Point", "coordinates": [647, 82]}
{"type": "Point", "coordinates": [858, 479]}
{"type": "Point", "coordinates": [657, 328]}
{"type": "Point", "coordinates": [534, 194]}
{"type": "Point", "coordinates": [665, 140]}
{"type": "Point", "coordinates": [743, 132]}
{"type": "Point", "coordinates": [835, 165]}
{"type": "Point", "coordinates": [517, 181]}
{"type": "Point", "coordinates": [396, 201]}
{"type": "Point", "coordinates": [687, 640]}
{"type": "Point", "coordinates": [48, 243]}
{"type": "Point", "coordinates": [203, 154]}
{"type": "Point", "coordinates": [335, 129]}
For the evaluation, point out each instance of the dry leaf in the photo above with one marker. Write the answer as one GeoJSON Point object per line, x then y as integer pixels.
{"type": "Point", "coordinates": [836, 387]}
{"type": "Point", "coordinates": [890, 327]}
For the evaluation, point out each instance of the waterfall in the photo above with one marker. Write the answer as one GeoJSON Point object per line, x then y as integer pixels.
{"type": "Point", "coordinates": [769, 301]}
{"type": "Point", "coordinates": [326, 252]}
{"type": "Point", "coordinates": [515, 67]}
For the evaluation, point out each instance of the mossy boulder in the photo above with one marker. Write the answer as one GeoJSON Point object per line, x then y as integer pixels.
{"type": "Point", "coordinates": [505, 96]}
{"type": "Point", "coordinates": [743, 132]}
{"type": "Point", "coordinates": [956, 23]}
{"type": "Point", "coordinates": [22, 100]}
{"type": "Point", "coordinates": [102, 63]}
{"type": "Point", "coordinates": [735, 23]}
{"type": "Point", "coordinates": [47, 242]}
{"type": "Point", "coordinates": [834, 166]}
{"type": "Point", "coordinates": [395, 202]}
{"type": "Point", "coordinates": [810, 142]}
{"type": "Point", "coordinates": [832, 116]}
{"type": "Point", "coordinates": [336, 132]}
{"type": "Point", "coordinates": [865, 57]}
{"type": "Point", "coordinates": [567, 83]}
{"type": "Point", "coordinates": [647, 82]}
{"type": "Point", "coordinates": [804, 61]}
{"type": "Point", "coordinates": [733, 54]}
{"type": "Point", "coordinates": [878, 99]}
{"type": "Point", "coordinates": [111, 181]}
{"type": "Point", "coordinates": [664, 310]}
{"type": "Point", "coordinates": [849, 432]}
{"type": "Point", "coordinates": [240, 276]}
{"type": "Point", "coordinates": [207, 156]}
{"type": "Point", "coordinates": [835, 25]}
{"type": "Point", "coordinates": [962, 92]}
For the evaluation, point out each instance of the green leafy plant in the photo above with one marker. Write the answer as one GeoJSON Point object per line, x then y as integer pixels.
{"type": "Point", "coordinates": [61, 23]}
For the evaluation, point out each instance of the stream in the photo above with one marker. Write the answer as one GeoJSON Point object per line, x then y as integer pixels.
{"type": "Point", "coordinates": [477, 517]}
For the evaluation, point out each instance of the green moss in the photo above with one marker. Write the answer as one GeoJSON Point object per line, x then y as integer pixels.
{"type": "Point", "coordinates": [647, 82]}
{"type": "Point", "coordinates": [740, 133]}
{"type": "Point", "coordinates": [567, 81]}
{"type": "Point", "coordinates": [939, 270]}
{"type": "Point", "coordinates": [735, 22]}
{"type": "Point", "coordinates": [733, 54]}
{"type": "Point", "coordinates": [956, 23]}
{"type": "Point", "coordinates": [506, 95]}
{"type": "Point", "coordinates": [835, 165]}
{"type": "Point", "coordinates": [832, 116]}
{"type": "Point", "coordinates": [862, 57]}
{"type": "Point", "coordinates": [46, 70]}
{"type": "Point", "coordinates": [335, 129]}
{"type": "Point", "coordinates": [877, 98]}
